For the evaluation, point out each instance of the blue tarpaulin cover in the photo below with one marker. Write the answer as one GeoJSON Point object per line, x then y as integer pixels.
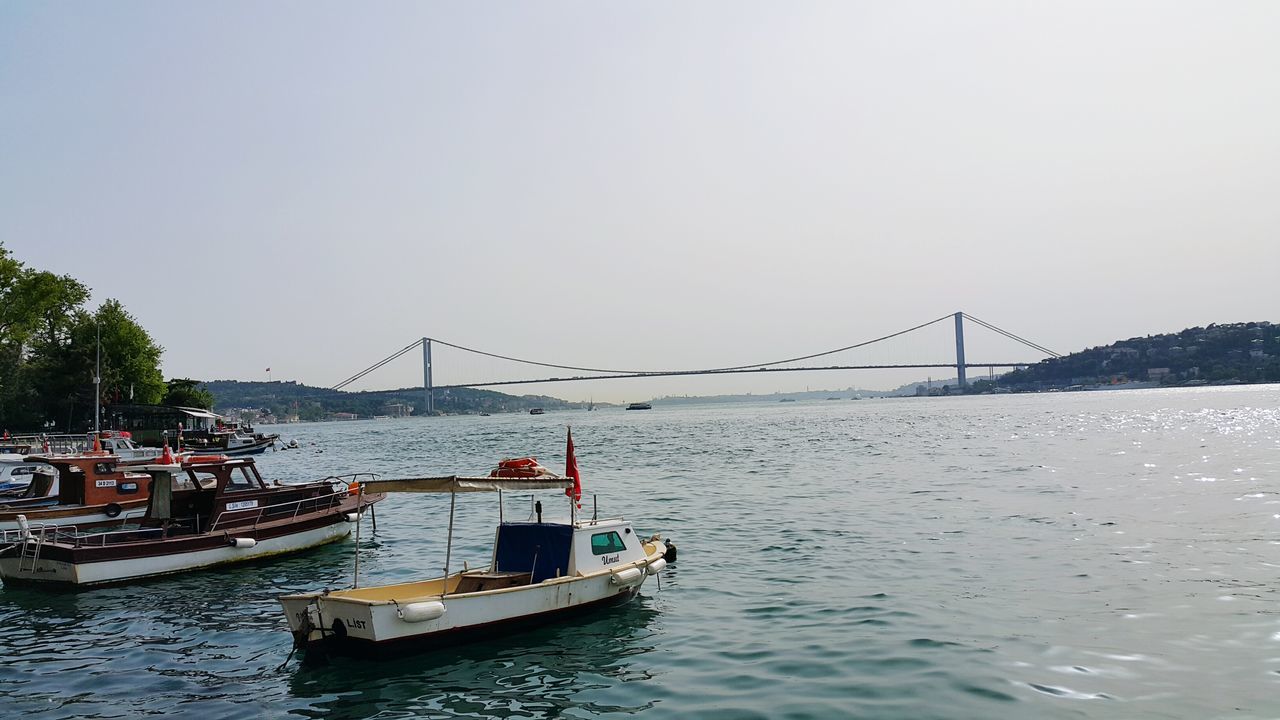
{"type": "Point", "coordinates": [519, 543]}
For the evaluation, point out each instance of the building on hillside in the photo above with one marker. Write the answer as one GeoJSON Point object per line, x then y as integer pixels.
{"type": "Point", "coordinates": [397, 410]}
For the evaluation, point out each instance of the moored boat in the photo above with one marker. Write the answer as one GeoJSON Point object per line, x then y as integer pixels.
{"type": "Point", "coordinates": [122, 446]}
{"type": "Point", "coordinates": [202, 512]}
{"type": "Point", "coordinates": [85, 490]}
{"type": "Point", "coordinates": [538, 572]}
{"type": "Point", "coordinates": [16, 472]}
{"type": "Point", "coordinates": [229, 441]}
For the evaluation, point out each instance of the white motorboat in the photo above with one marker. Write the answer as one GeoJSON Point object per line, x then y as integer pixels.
{"type": "Point", "coordinates": [230, 441]}
{"type": "Point", "coordinates": [16, 472]}
{"type": "Point", "coordinates": [538, 572]}
{"type": "Point", "coordinates": [130, 453]}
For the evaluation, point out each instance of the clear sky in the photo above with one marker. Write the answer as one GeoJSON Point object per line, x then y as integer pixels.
{"type": "Point", "coordinates": [310, 186]}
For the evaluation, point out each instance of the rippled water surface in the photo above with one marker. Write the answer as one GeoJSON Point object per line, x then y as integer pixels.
{"type": "Point", "coordinates": [1082, 555]}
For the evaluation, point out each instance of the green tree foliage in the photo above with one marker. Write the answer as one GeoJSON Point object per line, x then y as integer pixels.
{"type": "Point", "coordinates": [48, 350]}
{"type": "Point", "coordinates": [185, 392]}
{"type": "Point", "coordinates": [36, 309]}
{"type": "Point", "coordinates": [62, 366]}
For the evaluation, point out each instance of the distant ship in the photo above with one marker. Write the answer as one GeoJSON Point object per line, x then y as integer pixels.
{"type": "Point", "coordinates": [537, 411]}
{"type": "Point", "coordinates": [639, 406]}
{"type": "Point", "coordinates": [787, 400]}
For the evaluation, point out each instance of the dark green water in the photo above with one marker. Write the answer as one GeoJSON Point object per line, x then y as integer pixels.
{"type": "Point", "coordinates": [1082, 555]}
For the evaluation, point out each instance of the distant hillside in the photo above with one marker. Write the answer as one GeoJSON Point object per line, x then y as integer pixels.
{"type": "Point", "coordinates": [1217, 354]}
{"type": "Point", "coordinates": [284, 400]}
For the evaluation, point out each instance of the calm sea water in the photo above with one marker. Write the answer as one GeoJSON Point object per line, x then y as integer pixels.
{"type": "Point", "coordinates": [1083, 555]}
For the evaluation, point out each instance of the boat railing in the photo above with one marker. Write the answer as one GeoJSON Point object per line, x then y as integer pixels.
{"type": "Point", "coordinates": [316, 503]}
{"type": "Point", "coordinates": [102, 539]}
{"type": "Point", "coordinates": [59, 444]}
{"type": "Point", "coordinates": [33, 531]}
{"type": "Point", "coordinates": [41, 533]}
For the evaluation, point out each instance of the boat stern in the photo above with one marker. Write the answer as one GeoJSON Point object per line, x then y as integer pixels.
{"type": "Point", "coordinates": [303, 613]}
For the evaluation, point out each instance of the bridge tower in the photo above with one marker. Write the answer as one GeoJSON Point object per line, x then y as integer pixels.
{"type": "Point", "coordinates": [428, 393]}
{"type": "Point", "coordinates": [960, 349]}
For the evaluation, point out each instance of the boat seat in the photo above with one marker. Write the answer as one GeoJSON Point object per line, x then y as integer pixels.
{"type": "Point", "coordinates": [480, 582]}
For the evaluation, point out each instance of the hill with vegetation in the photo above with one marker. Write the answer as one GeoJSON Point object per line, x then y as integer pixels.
{"type": "Point", "coordinates": [1213, 355]}
{"type": "Point", "coordinates": [288, 400]}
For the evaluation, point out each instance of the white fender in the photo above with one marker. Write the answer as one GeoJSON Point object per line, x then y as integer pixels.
{"type": "Point", "coordinates": [630, 576]}
{"type": "Point", "coordinates": [351, 517]}
{"type": "Point", "coordinates": [656, 566]}
{"type": "Point", "coordinates": [420, 611]}
{"type": "Point", "coordinates": [243, 542]}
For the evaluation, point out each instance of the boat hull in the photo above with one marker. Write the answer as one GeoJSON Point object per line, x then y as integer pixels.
{"type": "Point", "coordinates": [356, 646]}
{"type": "Point", "coordinates": [331, 622]}
{"type": "Point", "coordinates": [63, 572]}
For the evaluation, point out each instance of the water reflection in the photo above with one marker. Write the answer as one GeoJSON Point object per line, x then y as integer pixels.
{"type": "Point", "coordinates": [538, 673]}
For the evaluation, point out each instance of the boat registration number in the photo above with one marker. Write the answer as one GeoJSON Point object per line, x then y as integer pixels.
{"type": "Point", "coordinates": [104, 483]}
{"type": "Point", "coordinates": [242, 505]}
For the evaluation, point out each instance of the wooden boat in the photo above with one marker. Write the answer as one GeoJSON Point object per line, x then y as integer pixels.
{"type": "Point", "coordinates": [88, 489]}
{"type": "Point", "coordinates": [538, 572]}
{"type": "Point", "coordinates": [203, 511]}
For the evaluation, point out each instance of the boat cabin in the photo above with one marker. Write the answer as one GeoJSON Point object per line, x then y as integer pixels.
{"type": "Point", "coordinates": [209, 493]}
{"type": "Point", "coordinates": [89, 479]}
{"type": "Point", "coordinates": [81, 479]}
{"type": "Point", "coordinates": [541, 551]}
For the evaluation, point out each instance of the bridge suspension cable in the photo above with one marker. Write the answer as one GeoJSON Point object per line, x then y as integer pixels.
{"type": "Point", "coordinates": [1011, 336]}
{"type": "Point", "coordinates": [707, 370]}
{"type": "Point", "coordinates": [377, 365]}
{"type": "Point", "coordinates": [770, 365]}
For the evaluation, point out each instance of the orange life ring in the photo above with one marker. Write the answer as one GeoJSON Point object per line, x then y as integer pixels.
{"type": "Point", "coordinates": [206, 458]}
{"type": "Point", "coordinates": [524, 462]}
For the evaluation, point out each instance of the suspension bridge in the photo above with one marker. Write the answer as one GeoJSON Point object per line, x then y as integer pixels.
{"type": "Point", "coordinates": [960, 364]}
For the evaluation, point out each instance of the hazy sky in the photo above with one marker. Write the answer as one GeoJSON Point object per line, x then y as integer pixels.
{"type": "Point", "coordinates": [310, 186]}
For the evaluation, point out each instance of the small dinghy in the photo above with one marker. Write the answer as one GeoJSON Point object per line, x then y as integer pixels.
{"type": "Point", "coordinates": [538, 572]}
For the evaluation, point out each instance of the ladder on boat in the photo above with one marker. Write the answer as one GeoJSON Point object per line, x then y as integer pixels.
{"type": "Point", "coordinates": [32, 543]}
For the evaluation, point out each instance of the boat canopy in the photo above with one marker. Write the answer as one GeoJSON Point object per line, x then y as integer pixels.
{"type": "Point", "coordinates": [457, 484]}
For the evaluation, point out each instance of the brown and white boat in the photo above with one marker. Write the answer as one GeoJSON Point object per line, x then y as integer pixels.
{"type": "Point", "coordinates": [86, 489]}
{"type": "Point", "coordinates": [205, 511]}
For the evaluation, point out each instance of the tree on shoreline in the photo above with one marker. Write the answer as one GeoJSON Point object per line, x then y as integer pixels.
{"type": "Point", "coordinates": [185, 392]}
{"type": "Point", "coordinates": [49, 346]}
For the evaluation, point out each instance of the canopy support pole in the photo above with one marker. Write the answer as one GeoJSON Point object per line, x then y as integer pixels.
{"type": "Point", "coordinates": [355, 580]}
{"type": "Point", "coordinates": [448, 548]}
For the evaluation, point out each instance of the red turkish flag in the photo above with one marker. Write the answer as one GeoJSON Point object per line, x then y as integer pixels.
{"type": "Point", "coordinates": [571, 469]}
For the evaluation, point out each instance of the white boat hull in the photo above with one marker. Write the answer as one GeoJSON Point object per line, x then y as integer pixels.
{"type": "Point", "coordinates": [364, 626]}
{"type": "Point", "coordinates": [109, 571]}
